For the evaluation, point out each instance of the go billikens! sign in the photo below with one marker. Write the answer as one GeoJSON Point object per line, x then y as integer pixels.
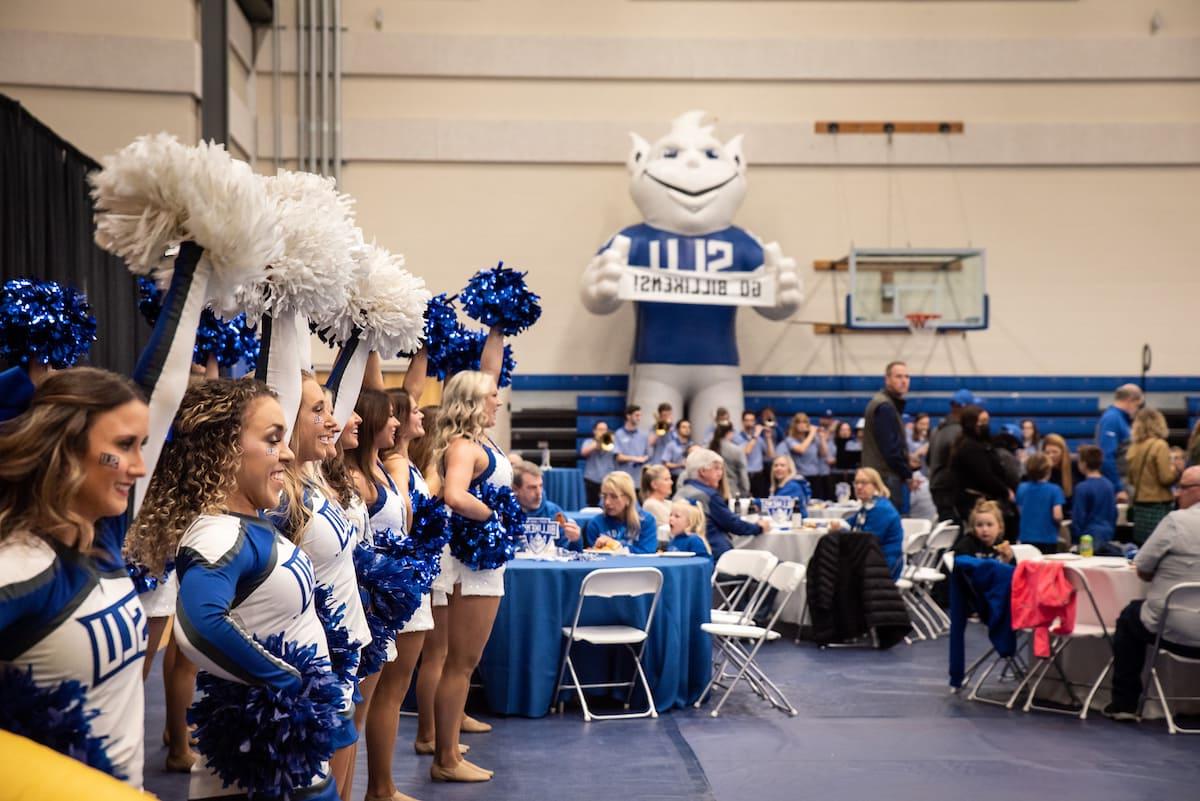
{"type": "Point", "coordinates": [755, 288]}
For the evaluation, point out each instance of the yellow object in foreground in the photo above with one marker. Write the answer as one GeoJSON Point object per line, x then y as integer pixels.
{"type": "Point", "coordinates": [33, 772]}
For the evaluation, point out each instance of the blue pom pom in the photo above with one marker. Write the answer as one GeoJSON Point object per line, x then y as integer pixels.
{"type": "Point", "coordinates": [391, 588]}
{"type": "Point", "coordinates": [499, 297]}
{"type": "Point", "coordinates": [270, 742]}
{"type": "Point", "coordinates": [443, 334]}
{"type": "Point", "coordinates": [493, 542]}
{"type": "Point", "coordinates": [144, 581]}
{"type": "Point", "coordinates": [44, 323]}
{"type": "Point", "coordinates": [343, 651]}
{"type": "Point", "coordinates": [230, 341]}
{"type": "Point", "coordinates": [53, 716]}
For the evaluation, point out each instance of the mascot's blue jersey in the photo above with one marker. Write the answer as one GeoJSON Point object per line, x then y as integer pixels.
{"type": "Point", "coordinates": [684, 333]}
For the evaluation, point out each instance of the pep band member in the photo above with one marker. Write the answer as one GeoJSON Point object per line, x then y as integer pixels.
{"type": "Point", "coordinates": [313, 518]}
{"type": "Point", "coordinates": [466, 457]}
{"type": "Point", "coordinates": [240, 579]}
{"type": "Point", "coordinates": [68, 609]}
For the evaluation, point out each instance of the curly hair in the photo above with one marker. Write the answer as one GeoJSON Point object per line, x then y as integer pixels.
{"type": "Point", "coordinates": [462, 413]}
{"type": "Point", "coordinates": [196, 470]}
{"type": "Point", "coordinates": [41, 454]}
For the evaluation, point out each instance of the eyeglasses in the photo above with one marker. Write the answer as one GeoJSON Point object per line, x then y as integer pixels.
{"type": "Point", "coordinates": [1188, 486]}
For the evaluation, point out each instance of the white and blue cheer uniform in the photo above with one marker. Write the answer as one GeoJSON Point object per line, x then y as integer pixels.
{"type": "Point", "coordinates": [239, 578]}
{"type": "Point", "coordinates": [74, 616]}
{"type": "Point", "coordinates": [390, 511]}
{"type": "Point", "coordinates": [329, 540]}
{"type": "Point", "coordinates": [498, 473]}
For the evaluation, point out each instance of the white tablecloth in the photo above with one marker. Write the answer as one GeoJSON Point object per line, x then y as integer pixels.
{"type": "Point", "coordinates": [1085, 658]}
{"type": "Point", "coordinates": [795, 545]}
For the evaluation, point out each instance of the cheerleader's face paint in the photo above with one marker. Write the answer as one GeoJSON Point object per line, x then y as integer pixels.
{"type": "Point", "coordinates": [114, 461]}
{"type": "Point", "coordinates": [349, 438]}
{"type": "Point", "coordinates": [265, 459]}
{"type": "Point", "coordinates": [311, 438]}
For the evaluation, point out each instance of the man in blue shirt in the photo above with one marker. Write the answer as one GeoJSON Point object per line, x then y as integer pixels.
{"type": "Point", "coordinates": [633, 444]}
{"type": "Point", "coordinates": [527, 487]}
{"type": "Point", "coordinates": [658, 442]}
{"type": "Point", "coordinates": [755, 443]}
{"type": "Point", "coordinates": [701, 484]}
{"type": "Point", "coordinates": [600, 459]}
{"type": "Point", "coordinates": [1112, 434]}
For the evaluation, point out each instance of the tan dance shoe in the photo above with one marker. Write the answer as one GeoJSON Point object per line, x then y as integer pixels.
{"type": "Point", "coordinates": [464, 771]}
{"type": "Point", "coordinates": [427, 748]}
{"type": "Point", "coordinates": [472, 726]}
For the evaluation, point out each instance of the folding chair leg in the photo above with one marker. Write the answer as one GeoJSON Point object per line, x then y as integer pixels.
{"type": "Point", "coordinates": [587, 713]}
{"type": "Point", "coordinates": [1162, 699]}
{"type": "Point", "coordinates": [558, 685]}
{"type": "Point", "coordinates": [1087, 702]}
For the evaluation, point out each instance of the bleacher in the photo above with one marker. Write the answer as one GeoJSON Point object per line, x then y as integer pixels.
{"type": "Point", "coordinates": [1066, 405]}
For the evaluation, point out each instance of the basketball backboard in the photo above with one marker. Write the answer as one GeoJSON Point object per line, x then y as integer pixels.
{"type": "Point", "coordinates": [888, 284]}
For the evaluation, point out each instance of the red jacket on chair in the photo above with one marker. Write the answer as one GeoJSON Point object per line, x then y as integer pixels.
{"type": "Point", "coordinates": [1040, 595]}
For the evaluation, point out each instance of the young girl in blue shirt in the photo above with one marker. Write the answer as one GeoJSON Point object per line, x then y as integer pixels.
{"type": "Point", "coordinates": [687, 529]}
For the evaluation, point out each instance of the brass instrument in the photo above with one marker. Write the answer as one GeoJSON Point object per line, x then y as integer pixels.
{"type": "Point", "coordinates": [661, 428]}
{"type": "Point", "coordinates": [606, 441]}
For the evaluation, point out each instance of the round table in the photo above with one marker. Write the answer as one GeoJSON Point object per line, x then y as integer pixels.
{"type": "Point", "coordinates": [789, 545]}
{"type": "Point", "coordinates": [564, 486]}
{"type": "Point", "coordinates": [521, 662]}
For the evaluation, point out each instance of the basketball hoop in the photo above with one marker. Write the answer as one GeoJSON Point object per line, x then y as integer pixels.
{"type": "Point", "coordinates": [922, 322]}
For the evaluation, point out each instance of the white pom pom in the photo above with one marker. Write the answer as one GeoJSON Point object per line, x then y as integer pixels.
{"type": "Point", "coordinates": [156, 192]}
{"type": "Point", "coordinates": [313, 274]}
{"type": "Point", "coordinates": [389, 302]}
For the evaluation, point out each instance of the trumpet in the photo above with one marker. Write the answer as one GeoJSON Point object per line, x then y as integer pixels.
{"type": "Point", "coordinates": [661, 428]}
{"type": "Point", "coordinates": [606, 441]}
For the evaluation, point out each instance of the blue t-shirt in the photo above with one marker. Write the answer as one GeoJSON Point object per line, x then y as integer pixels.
{"type": "Point", "coordinates": [691, 543]}
{"type": "Point", "coordinates": [1094, 510]}
{"type": "Point", "coordinates": [675, 452]}
{"type": "Point", "coordinates": [686, 333]}
{"type": "Point", "coordinates": [632, 443]}
{"type": "Point", "coordinates": [809, 462]}
{"type": "Point", "coordinates": [1113, 431]}
{"type": "Point", "coordinates": [1036, 501]}
{"type": "Point", "coordinates": [644, 541]}
{"type": "Point", "coordinates": [754, 459]}
{"type": "Point", "coordinates": [599, 463]}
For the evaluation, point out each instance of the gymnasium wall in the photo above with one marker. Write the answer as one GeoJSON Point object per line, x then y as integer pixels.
{"type": "Point", "coordinates": [478, 130]}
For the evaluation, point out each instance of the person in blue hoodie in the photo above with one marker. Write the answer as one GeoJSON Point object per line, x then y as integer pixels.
{"type": "Point", "coordinates": [786, 483]}
{"type": "Point", "coordinates": [879, 517]}
{"type": "Point", "coordinates": [1113, 431]}
{"type": "Point", "coordinates": [1094, 509]}
{"type": "Point", "coordinates": [687, 529]}
{"type": "Point", "coordinates": [623, 520]}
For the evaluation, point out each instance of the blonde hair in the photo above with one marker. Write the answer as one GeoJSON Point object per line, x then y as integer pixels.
{"type": "Point", "coordinates": [293, 513]}
{"type": "Point", "coordinates": [873, 476]}
{"type": "Point", "coordinates": [794, 425]}
{"type": "Point", "coordinates": [650, 474]}
{"type": "Point", "coordinates": [197, 469]}
{"type": "Point", "coordinates": [462, 413]}
{"type": "Point", "coordinates": [622, 484]}
{"type": "Point", "coordinates": [791, 471]}
{"type": "Point", "coordinates": [42, 450]}
{"type": "Point", "coordinates": [986, 507]}
{"type": "Point", "coordinates": [1148, 423]}
{"type": "Point", "coordinates": [1066, 479]}
{"type": "Point", "coordinates": [694, 513]}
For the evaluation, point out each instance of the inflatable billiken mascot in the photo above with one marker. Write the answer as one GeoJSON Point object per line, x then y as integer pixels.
{"type": "Point", "coordinates": [687, 185]}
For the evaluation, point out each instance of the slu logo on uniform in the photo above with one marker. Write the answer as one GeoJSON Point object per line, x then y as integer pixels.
{"type": "Point", "coordinates": [301, 568]}
{"type": "Point", "coordinates": [118, 636]}
{"type": "Point", "coordinates": [338, 522]}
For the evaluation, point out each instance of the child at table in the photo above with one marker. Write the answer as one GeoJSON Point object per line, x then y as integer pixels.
{"type": "Point", "coordinates": [984, 537]}
{"type": "Point", "coordinates": [1040, 504]}
{"type": "Point", "coordinates": [687, 529]}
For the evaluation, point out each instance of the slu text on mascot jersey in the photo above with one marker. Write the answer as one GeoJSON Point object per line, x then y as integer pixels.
{"type": "Point", "coordinates": [688, 186]}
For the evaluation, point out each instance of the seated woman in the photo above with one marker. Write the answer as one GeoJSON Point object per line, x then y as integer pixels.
{"type": "Point", "coordinates": [702, 483]}
{"type": "Point", "coordinates": [879, 517]}
{"type": "Point", "coordinates": [787, 484]}
{"type": "Point", "coordinates": [656, 492]}
{"type": "Point", "coordinates": [623, 521]}
{"type": "Point", "coordinates": [687, 529]}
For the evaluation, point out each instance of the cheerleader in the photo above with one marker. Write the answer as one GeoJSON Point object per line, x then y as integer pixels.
{"type": "Point", "coordinates": [466, 457]}
{"type": "Point", "coordinates": [314, 519]}
{"type": "Point", "coordinates": [246, 613]}
{"type": "Point", "coordinates": [72, 630]}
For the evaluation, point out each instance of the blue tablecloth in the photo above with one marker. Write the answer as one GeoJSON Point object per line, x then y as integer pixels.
{"type": "Point", "coordinates": [564, 486]}
{"type": "Point", "coordinates": [520, 664]}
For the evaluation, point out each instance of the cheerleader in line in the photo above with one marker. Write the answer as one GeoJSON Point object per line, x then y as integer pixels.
{"type": "Point", "coordinates": [72, 630]}
{"type": "Point", "coordinates": [242, 585]}
{"type": "Point", "coordinates": [465, 457]}
{"type": "Point", "coordinates": [312, 517]}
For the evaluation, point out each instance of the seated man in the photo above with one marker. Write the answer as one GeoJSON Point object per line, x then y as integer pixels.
{"type": "Point", "coordinates": [702, 483]}
{"type": "Point", "coordinates": [527, 487]}
{"type": "Point", "coordinates": [1170, 556]}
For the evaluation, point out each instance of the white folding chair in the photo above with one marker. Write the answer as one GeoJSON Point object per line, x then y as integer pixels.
{"type": "Point", "coordinates": [914, 526]}
{"type": "Point", "coordinates": [1024, 552]}
{"type": "Point", "coordinates": [612, 583]}
{"type": "Point", "coordinates": [1182, 600]}
{"type": "Point", "coordinates": [1097, 605]}
{"type": "Point", "coordinates": [924, 574]}
{"type": "Point", "coordinates": [924, 625]}
{"type": "Point", "coordinates": [728, 639]}
{"type": "Point", "coordinates": [741, 595]}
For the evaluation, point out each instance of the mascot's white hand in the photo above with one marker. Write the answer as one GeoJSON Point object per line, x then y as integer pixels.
{"type": "Point", "coordinates": [789, 292]}
{"type": "Point", "coordinates": [602, 278]}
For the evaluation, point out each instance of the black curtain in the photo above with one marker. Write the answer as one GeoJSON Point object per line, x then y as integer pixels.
{"type": "Point", "coordinates": [46, 230]}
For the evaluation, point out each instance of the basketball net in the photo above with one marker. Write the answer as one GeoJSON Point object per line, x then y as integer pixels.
{"type": "Point", "coordinates": [922, 323]}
